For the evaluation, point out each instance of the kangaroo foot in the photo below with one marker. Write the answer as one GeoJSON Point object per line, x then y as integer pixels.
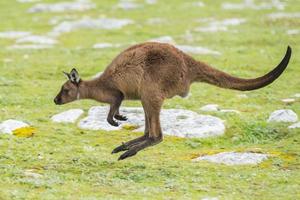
{"type": "Point", "coordinates": [136, 148]}
{"type": "Point", "coordinates": [112, 122]}
{"type": "Point", "coordinates": [120, 117]}
{"type": "Point", "coordinates": [125, 146]}
{"type": "Point", "coordinates": [129, 153]}
{"type": "Point", "coordinates": [122, 147]}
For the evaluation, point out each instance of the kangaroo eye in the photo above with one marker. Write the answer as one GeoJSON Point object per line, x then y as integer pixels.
{"type": "Point", "coordinates": [65, 90]}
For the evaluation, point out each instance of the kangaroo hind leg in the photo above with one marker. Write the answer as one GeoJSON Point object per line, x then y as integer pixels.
{"type": "Point", "coordinates": [125, 146]}
{"type": "Point", "coordinates": [152, 107]}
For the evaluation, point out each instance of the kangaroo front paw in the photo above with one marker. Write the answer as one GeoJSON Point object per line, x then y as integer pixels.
{"type": "Point", "coordinates": [121, 117]}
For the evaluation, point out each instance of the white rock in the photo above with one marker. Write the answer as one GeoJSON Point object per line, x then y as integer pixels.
{"type": "Point", "coordinates": [284, 115]}
{"type": "Point", "coordinates": [210, 198]}
{"type": "Point", "coordinates": [206, 19]}
{"type": "Point", "coordinates": [87, 23]}
{"type": "Point", "coordinates": [128, 5]}
{"type": "Point", "coordinates": [199, 4]}
{"type": "Point", "coordinates": [229, 111]}
{"type": "Point", "coordinates": [164, 39]}
{"type": "Point", "coordinates": [30, 46]}
{"type": "Point", "coordinates": [282, 15]}
{"type": "Point", "coordinates": [210, 108]}
{"type": "Point", "coordinates": [234, 158]}
{"type": "Point", "coordinates": [69, 116]}
{"type": "Point", "coordinates": [105, 45]}
{"type": "Point", "coordinates": [37, 39]}
{"type": "Point", "coordinates": [215, 107]}
{"type": "Point", "coordinates": [212, 29]}
{"type": "Point", "coordinates": [10, 125]}
{"type": "Point", "coordinates": [14, 34]}
{"type": "Point", "coordinates": [197, 50]}
{"type": "Point", "coordinates": [88, 148]}
{"type": "Point", "coordinates": [25, 56]}
{"type": "Point", "coordinates": [79, 5]}
{"type": "Point", "coordinates": [30, 173]}
{"type": "Point", "coordinates": [7, 60]}
{"type": "Point", "coordinates": [230, 22]}
{"type": "Point", "coordinates": [151, 1]}
{"type": "Point", "coordinates": [250, 4]}
{"type": "Point", "coordinates": [27, 1]}
{"type": "Point", "coordinates": [295, 125]}
{"type": "Point", "coordinates": [297, 95]}
{"type": "Point", "coordinates": [293, 31]}
{"type": "Point", "coordinates": [56, 19]}
{"type": "Point", "coordinates": [215, 26]}
{"type": "Point", "coordinates": [175, 122]}
{"type": "Point", "coordinates": [155, 21]}
{"type": "Point", "coordinates": [288, 100]}
{"type": "Point", "coordinates": [243, 96]}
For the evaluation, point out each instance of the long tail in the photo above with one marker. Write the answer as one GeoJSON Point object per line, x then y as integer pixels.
{"type": "Point", "coordinates": [216, 77]}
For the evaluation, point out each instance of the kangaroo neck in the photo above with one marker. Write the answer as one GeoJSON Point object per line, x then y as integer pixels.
{"type": "Point", "coordinates": [95, 89]}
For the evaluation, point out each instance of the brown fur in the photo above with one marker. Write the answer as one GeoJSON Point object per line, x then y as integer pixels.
{"type": "Point", "coordinates": [152, 72]}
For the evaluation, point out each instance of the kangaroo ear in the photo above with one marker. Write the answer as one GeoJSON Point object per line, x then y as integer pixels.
{"type": "Point", "coordinates": [67, 75]}
{"type": "Point", "coordinates": [74, 76]}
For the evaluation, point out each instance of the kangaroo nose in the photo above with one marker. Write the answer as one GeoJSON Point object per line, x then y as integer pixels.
{"type": "Point", "coordinates": [56, 101]}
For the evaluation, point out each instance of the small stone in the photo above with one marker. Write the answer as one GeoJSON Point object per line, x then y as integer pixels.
{"type": "Point", "coordinates": [105, 45]}
{"type": "Point", "coordinates": [88, 148]}
{"type": "Point", "coordinates": [69, 116]}
{"type": "Point", "coordinates": [10, 125]}
{"type": "Point", "coordinates": [30, 173]}
{"type": "Point", "coordinates": [25, 56]}
{"type": "Point", "coordinates": [296, 125]}
{"type": "Point", "coordinates": [210, 108]}
{"type": "Point", "coordinates": [284, 115]}
{"type": "Point", "coordinates": [293, 32]}
{"type": "Point", "coordinates": [229, 111]}
{"type": "Point", "coordinates": [242, 96]}
{"type": "Point", "coordinates": [210, 198]}
{"type": "Point", "coordinates": [289, 100]}
{"type": "Point", "coordinates": [234, 158]}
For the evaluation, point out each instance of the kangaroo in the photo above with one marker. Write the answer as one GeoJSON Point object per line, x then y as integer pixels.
{"type": "Point", "coordinates": [152, 72]}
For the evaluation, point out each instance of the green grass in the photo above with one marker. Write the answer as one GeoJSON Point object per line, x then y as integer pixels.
{"type": "Point", "coordinates": [77, 164]}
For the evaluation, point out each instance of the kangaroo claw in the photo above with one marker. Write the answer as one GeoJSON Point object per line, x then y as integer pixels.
{"type": "Point", "coordinates": [121, 117]}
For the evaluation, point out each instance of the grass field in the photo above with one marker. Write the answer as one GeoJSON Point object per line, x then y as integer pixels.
{"type": "Point", "coordinates": [77, 164]}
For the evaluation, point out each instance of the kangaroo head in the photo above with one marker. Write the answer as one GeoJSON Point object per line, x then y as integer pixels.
{"type": "Point", "coordinates": [70, 89]}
